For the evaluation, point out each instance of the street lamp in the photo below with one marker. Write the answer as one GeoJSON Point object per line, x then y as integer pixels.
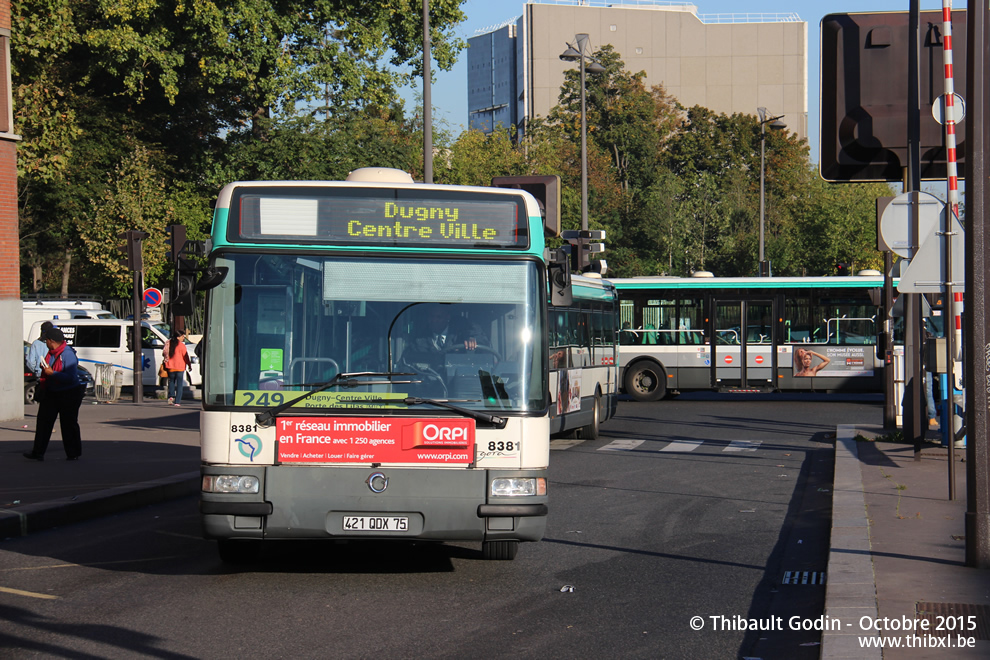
{"type": "Point", "coordinates": [574, 55]}
{"type": "Point", "coordinates": [775, 123]}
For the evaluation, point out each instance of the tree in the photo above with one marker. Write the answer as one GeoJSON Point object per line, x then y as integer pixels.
{"type": "Point", "coordinates": [177, 76]}
{"type": "Point", "coordinates": [475, 158]}
{"type": "Point", "coordinates": [135, 198]}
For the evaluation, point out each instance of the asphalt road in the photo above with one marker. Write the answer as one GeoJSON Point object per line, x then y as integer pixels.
{"type": "Point", "coordinates": [694, 507]}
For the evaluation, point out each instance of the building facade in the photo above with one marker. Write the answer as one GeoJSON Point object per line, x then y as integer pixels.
{"type": "Point", "coordinates": [728, 63]}
{"type": "Point", "coordinates": [11, 346]}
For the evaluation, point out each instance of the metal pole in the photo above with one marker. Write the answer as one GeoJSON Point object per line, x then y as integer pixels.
{"type": "Point", "coordinates": [913, 389]}
{"type": "Point", "coordinates": [977, 337]}
{"type": "Point", "coordinates": [889, 404]}
{"type": "Point", "coordinates": [138, 364]}
{"type": "Point", "coordinates": [763, 167]}
{"type": "Point", "coordinates": [584, 140]}
{"type": "Point", "coordinates": [427, 99]}
{"type": "Point", "coordinates": [948, 306]}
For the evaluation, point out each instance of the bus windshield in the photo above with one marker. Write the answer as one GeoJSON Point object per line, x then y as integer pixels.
{"type": "Point", "coordinates": [466, 331]}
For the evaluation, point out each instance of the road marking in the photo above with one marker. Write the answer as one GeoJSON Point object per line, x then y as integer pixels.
{"type": "Point", "coordinates": [92, 564]}
{"type": "Point", "coordinates": [683, 445]}
{"type": "Point", "coordinates": [744, 445]}
{"type": "Point", "coordinates": [804, 577]}
{"type": "Point", "coordinates": [564, 443]}
{"type": "Point", "coordinates": [29, 594]}
{"type": "Point", "coordinates": [622, 445]}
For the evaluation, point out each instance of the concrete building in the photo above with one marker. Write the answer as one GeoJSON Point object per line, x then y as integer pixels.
{"type": "Point", "coordinates": [726, 62]}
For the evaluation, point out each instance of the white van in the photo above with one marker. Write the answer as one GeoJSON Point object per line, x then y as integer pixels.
{"type": "Point", "coordinates": [108, 341]}
{"type": "Point", "coordinates": [59, 310]}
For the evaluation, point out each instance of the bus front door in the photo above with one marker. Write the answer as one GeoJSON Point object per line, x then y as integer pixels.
{"type": "Point", "coordinates": [742, 345]}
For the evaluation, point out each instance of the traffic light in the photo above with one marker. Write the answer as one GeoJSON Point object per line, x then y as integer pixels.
{"type": "Point", "coordinates": [843, 269]}
{"type": "Point", "coordinates": [176, 241]}
{"type": "Point", "coordinates": [582, 248]}
{"type": "Point", "coordinates": [184, 288]}
{"type": "Point", "coordinates": [131, 249]}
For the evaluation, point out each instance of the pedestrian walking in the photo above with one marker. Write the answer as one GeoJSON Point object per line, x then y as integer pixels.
{"type": "Point", "coordinates": [61, 392]}
{"type": "Point", "coordinates": [176, 362]}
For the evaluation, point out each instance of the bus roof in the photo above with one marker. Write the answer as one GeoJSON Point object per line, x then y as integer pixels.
{"type": "Point", "coordinates": [591, 288]}
{"type": "Point", "coordinates": [827, 282]}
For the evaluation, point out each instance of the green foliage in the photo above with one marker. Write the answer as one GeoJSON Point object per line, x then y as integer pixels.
{"type": "Point", "coordinates": [211, 90]}
{"type": "Point", "coordinates": [475, 158]}
{"type": "Point", "coordinates": [134, 114]}
{"type": "Point", "coordinates": [135, 198]}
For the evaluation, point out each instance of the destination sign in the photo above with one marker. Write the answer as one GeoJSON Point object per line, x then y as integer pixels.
{"type": "Point", "coordinates": [336, 215]}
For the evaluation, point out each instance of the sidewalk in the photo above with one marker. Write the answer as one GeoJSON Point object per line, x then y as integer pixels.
{"type": "Point", "coordinates": [898, 553]}
{"type": "Point", "coordinates": [133, 455]}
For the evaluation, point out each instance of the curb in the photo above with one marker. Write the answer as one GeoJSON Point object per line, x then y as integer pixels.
{"type": "Point", "coordinates": [55, 513]}
{"type": "Point", "coordinates": [851, 590]}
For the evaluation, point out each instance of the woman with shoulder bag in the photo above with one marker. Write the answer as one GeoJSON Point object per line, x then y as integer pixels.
{"type": "Point", "coordinates": [176, 362]}
{"type": "Point", "coordinates": [62, 392]}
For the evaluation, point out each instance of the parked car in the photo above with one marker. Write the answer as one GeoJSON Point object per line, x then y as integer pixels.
{"type": "Point", "coordinates": [31, 381]}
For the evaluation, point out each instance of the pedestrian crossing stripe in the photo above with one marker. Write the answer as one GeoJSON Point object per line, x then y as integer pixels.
{"type": "Point", "coordinates": [683, 445]}
{"type": "Point", "coordinates": [622, 445]}
{"type": "Point", "coordinates": [743, 445]}
{"type": "Point", "coordinates": [676, 446]}
{"type": "Point", "coordinates": [564, 443]}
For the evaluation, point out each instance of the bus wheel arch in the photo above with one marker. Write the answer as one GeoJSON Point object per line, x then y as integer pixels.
{"type": "Point", "coordinates": [645, 380]}
{"type": "Point", "coordinates": [593, 430]}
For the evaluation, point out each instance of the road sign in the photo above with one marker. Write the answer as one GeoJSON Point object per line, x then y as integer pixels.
{"type": "Point", "coordinates": [152, 297]}
{"type": "Point", "coordinates": [926, 272]}
{"type": "Point", "coordinates": [864, 94]}
{"type": "Point", "coordinates": [899, 220]}
{"type": "Point", "coordinates": [938, 109]}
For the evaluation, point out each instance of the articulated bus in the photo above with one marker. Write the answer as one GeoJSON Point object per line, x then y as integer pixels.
{"type": "Point", "coordinates": [749, 334]}
{"type": "Point", "coordinates": [377, 363]}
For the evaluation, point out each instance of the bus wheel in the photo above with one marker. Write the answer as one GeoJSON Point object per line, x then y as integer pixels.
{"type": "Point", "coordinates": [593, 430]}
{"type": "Point", "coordinates": [645, 382]}
{"type": "Point", "coordinates": [239, 551]}
{"type": "Point", "coordinates": [500, 550]}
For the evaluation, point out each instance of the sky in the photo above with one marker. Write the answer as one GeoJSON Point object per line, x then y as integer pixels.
{"type": "Point", "coordinates": [450, 89]}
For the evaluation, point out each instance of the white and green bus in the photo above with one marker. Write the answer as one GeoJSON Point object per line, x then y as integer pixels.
{"type": "Point", "coordinates": [377, 363]}
{"type": "Point", "coordinates": [749, 334]}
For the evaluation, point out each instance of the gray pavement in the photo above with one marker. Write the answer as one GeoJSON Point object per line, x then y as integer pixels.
{"type": "Point", "coordinates": [897, 543]}
{"type": "Point", "coordinates": [133, 455]}
{"type": "Point", "coordinates": [898, 555]}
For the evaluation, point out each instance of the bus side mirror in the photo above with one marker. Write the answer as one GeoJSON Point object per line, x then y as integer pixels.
{"type": "Point", "coordinates": [559, 276]}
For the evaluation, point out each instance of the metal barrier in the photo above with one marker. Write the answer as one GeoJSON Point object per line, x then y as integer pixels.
{"type": "Point", "coordinates": [108, 383]}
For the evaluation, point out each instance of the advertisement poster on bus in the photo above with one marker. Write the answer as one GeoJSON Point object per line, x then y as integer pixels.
{"type": "Point", "coordinates": [843, 361]}
{"type": "Point", "coordinates": [568, 391]}
{"type": "Point", "coordinates": [375, 440]}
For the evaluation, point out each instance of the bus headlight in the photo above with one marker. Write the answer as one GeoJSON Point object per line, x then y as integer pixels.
{"type": "Point", "coordinates": [518, 486]}
{"type": "Point", "coordinates": [230, 483]}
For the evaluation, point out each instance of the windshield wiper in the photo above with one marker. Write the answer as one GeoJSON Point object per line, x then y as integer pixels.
{"type": "Point", "coordinates": [498, 422]}
{"type": "Point", "coordinates": [345, 380]}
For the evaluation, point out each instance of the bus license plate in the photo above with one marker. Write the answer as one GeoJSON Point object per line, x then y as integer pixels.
{"type": "Point", "coordinates": [376, 524]}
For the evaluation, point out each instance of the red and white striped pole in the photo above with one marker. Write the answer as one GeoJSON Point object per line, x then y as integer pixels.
{"type": "Point", "coordinates": [952, 301]}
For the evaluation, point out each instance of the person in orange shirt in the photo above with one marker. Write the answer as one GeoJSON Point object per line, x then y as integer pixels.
{"type": "Point", "coordinates": [176, 363]}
